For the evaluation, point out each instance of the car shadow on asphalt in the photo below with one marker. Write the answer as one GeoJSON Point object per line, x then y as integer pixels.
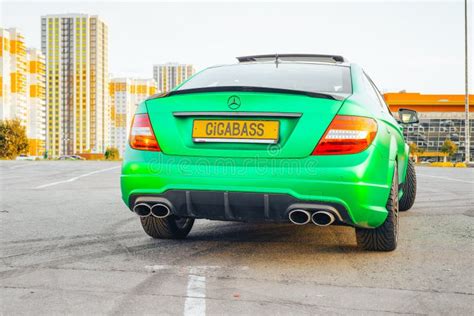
{"type": "Point", "coordinates": [273, 237]}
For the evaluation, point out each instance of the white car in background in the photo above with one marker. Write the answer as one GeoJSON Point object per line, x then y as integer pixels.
{"type": "Point", "coordinates": [26, 157]}
{"type": "Point", "coordinates": [71, 157]}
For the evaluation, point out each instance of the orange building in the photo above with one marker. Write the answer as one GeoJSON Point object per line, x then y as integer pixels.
{"type": "Point", "coordinates": [428, 102]}
{"type": "Point", "coordinates": [441, 117]}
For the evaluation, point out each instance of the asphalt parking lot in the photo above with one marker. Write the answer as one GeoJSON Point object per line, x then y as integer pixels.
{"type": "Point", "coordinates": [69, 245]}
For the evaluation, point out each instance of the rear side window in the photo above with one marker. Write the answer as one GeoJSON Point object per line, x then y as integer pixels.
{"type": "Point", "coordinates": [290, 76]}
{"type": "Point", "coordinates": [375, 93]}
{"type": "Point", "coordinates": [384, 105]}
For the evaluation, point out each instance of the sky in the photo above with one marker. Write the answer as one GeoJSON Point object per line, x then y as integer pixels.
{"type": "Point", "coordinates": [417, 46]}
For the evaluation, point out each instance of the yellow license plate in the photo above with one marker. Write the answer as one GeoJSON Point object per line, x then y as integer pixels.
{"type": "Point", "coordinates": [236, 131]}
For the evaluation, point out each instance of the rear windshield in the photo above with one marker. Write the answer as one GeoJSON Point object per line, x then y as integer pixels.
{"type": "Point", "coordinates": [290, 76]}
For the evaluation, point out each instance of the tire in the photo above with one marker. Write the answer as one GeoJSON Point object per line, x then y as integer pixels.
{"type": "Point", "coordinates": [384, 237]}
{"type": "Point", "coordinates": [171, 227]}
{"type": "Point", "coordinates": [409, 188]}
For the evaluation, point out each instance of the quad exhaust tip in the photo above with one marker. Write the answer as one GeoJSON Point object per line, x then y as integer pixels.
{"type": "Point", "coordinates": [160, 210]}
{"type": "Point", "coordinates": [299, 217]}
{"type": "Point", "coordinates": [142, 209]}
{"type": "Point", "coordinates": [322, 218]}
{"type": "Point", "coordinates": [319, 218]}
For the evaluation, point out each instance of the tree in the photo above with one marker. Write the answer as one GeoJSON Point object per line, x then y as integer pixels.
{"type": "Point", "coordinates": [112, 153]}
{"type": "Point", "coordinates": [415, 150]}
{"type": "Point", "coordinates": [449, 147]}
{"type": "Point", "coordinates": [13, 140]}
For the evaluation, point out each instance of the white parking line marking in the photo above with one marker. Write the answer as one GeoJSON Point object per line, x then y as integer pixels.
{"type": "Point", "coordinates": [195, 269]}
{"type": "Point", "coordinates": [23, 166]}
{"type": "Point", "coordinates": [444, 178]}
{"type": "Point", "coordinates": [75, 178]}
{"type": "Point", "coordinates": [195, 303]}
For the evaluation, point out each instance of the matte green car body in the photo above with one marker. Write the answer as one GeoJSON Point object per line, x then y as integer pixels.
{"type": "Point", "coordinates": [360, 182]}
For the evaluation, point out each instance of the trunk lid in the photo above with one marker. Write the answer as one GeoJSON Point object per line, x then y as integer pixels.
{"type": "Point", "coordinates": [302, 120]}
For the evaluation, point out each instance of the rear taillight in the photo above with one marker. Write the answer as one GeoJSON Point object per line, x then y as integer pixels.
{"type": "Point", "coordinates": [347, 135]}
{"type": "Point", "coordinates": [141, 134]}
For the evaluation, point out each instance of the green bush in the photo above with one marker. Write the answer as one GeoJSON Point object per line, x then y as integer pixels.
{"type": "Point", "coordinates": [13, 140]}
{"type": "Point", "coordinates": [112, 153]}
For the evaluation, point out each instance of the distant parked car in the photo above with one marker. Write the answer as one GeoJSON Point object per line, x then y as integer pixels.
{"type": "Point", "coordinates": [71, 157]}
{"type": "Point", "coordinates": [26, 157]}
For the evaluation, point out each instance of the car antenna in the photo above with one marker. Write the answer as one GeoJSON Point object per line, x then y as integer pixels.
{"type": "Point", "coordinates": [276, 60]}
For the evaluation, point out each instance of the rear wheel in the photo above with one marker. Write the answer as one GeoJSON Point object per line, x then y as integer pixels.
{"type": "Point", "coordinates": [409, 188]}
{"type": "Point", "coordinates": [384, 237]}
{"type": "Point", "coordinates": [170, 227]}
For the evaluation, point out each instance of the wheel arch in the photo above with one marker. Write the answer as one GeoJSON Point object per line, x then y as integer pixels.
{"type": "Point", "coordinates": [400, 155]}
{"type": "Point", "coordinates": [402, 169]}
{"type": "Point", "coordinates": [393, 159]}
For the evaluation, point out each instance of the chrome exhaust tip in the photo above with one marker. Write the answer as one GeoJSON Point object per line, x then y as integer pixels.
{"type": "Point", "coordinates": [299, 217]}
{"type": "Point", "coordinates": [142, 209]}
{"type": "Point", "coordinates": [322, 218]}
{"type": "Point", "coordinates": [160, 210]}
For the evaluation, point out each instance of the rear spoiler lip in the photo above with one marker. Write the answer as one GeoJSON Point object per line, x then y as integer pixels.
{"type": "Point", "coordinates": [337, 97]}
{"type": "Point", "coordinates": [253, 58]}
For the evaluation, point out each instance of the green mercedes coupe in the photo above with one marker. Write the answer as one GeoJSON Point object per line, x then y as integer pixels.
{"type": "Point", "coordinates": [291, 138]}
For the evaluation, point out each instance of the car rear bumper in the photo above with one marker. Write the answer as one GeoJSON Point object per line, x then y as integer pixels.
{"type": "Point", "coordinates": [262, 189]}
{"type": "Point", "coordinates": [239, 206]}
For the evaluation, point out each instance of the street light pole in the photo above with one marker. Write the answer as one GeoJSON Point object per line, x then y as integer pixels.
{"type": "Point", "coordinates": [466, 125]}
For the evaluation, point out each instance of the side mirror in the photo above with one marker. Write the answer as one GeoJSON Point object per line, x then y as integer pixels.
{"type": "Point", "coordinates": [407, 116]}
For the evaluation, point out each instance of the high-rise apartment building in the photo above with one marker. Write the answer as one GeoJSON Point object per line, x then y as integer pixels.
{"type": "Point", "coordinates": [124, 96]}
{"type": "Point", "coordinates": [14, 76]}
{"type": "Point", "coordinates": [36, 96]}
{"type": "Point", "coordinates": [76, 49]}
{"type": "Point", "coordinates": [22, 91]}
{"type": "Point", "coordinates": [170, 75]}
